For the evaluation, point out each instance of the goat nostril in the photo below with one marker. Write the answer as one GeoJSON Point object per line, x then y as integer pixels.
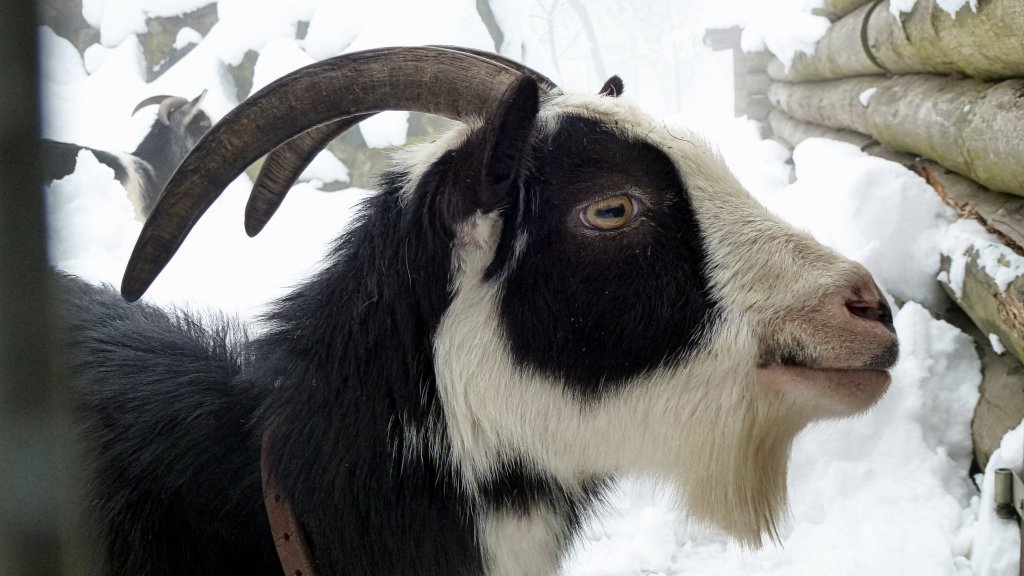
{"type": "Point", "coordinates": [878, 312]}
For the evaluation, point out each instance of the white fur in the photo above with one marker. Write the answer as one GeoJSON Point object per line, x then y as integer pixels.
{"type": "Point", "coordinates": [135, 183]}
{"type": "Point", "coordinates": [522, 544]}
{"type": "Point", "coordinates": [708, 425]}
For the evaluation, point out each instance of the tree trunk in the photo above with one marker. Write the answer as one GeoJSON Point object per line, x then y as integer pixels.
{"type": "Point", "coordinates": [974, 128]}
{"type": "Point", "coordinates": [988, 44]}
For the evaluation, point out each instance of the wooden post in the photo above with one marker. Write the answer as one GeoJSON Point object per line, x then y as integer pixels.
{"type": "Point", "coordinates": [37, 470]}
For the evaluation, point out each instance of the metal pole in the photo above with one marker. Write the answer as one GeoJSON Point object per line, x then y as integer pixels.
{"type": "Point", "coordinates": [37, 474]}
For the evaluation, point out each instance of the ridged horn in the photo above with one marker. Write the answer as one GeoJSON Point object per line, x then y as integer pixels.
{"type": "Point", "coordinates": [285, 164]}
{"type": "Point", "coordinates": [439, 81]}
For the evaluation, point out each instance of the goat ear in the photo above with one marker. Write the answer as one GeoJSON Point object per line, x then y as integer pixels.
{"type": "Point", "coordinates": [613, 87]}
{"type": "Point", "coordinates": [489, 164]}
{"type": "Point", "coordinates": [508, 134]}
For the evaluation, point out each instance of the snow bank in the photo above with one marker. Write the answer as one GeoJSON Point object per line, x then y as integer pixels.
{"type": "Point", "coordinates": [996, 541]}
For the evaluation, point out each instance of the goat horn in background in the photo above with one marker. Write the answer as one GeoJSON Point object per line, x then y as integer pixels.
{"type": "Point", "coordinates": [192, 108]}
{"type": "Point", "coordinates": [152, 100]}
{"type": "Point", "coordinates": [438, 81]}
{"type": "Point", "coordinates": [285, 164]}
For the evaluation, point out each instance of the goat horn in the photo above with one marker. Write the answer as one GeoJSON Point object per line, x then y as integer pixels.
{"type": "Point", "coordinates": [193, 108]}
{"type": "Point", "coordinates": [283, 166]}
{"type": "Point", "coordinates": [423, 79]}
{"type": "Point", "coordinates": [150, 102]}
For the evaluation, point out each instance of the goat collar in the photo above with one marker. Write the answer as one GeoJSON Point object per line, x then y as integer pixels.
{"type": "Point", "coordinates": [284, 525]}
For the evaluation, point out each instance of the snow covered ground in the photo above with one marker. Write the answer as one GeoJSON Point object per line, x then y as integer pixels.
{"type": "Point", "coordinates": [884, 493]}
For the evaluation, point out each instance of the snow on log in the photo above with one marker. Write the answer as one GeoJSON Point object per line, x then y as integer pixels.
{"type": "Point", "coordinates": [1000, 214]}
{"type": "Point", "coordinates": [974, 128]}
{"type": "Point", "coordinates": [995, 305]}
{"type": "Point", "coordinates": [987, 44]}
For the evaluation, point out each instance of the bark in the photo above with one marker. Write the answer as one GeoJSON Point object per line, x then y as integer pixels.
{"type": "Point", "coordinates": [988, 44]}
{"type": "Point", "coordinates": [832, 104]}
{"type": "Point", "coordinates": [793, 131]}
{"type": "Point", "coordinates": [1000, 406]}
{"type": "Point", "coordinates": [974, 128]}
{"type": "Point", "coordinates": [993, 311]}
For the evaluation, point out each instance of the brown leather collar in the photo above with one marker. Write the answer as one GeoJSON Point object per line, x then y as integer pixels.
{"type": "Point", "coordinates": [284, 525]}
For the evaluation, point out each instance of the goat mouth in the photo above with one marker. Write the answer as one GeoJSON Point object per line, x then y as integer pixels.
{"type": "Point", "coordinates": [828, 392]}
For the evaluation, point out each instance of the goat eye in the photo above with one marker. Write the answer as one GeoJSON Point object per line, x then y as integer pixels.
{"type": "Point", "coordinates": [610, 213]}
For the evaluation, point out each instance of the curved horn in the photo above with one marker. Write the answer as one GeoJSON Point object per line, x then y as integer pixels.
{"type": "Point", "coordinates": [433, 80]}
{"type": "Point", "coordinates": [285, 164]}
{"type": "Point", "coordinates": [150, 101]}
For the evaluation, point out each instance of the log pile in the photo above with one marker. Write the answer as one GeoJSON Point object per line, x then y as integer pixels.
{"type": "Point", "coordinates": [944, 97]}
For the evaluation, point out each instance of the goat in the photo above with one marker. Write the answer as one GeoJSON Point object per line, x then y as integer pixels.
{"type": "Point", "coordinates": [560, 291]}
{"type": "Point", "coordinates": [179, 125]}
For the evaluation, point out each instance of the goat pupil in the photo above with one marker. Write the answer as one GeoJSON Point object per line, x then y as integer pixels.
{"type": "Point", "coordinates": [615, 212]}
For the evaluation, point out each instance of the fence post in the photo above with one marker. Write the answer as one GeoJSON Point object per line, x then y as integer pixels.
{"type": "Point", "coordinates": [38, 479]}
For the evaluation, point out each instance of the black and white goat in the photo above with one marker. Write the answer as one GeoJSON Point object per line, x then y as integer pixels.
{"type": "Point", "coordinates": [561, 291]}
{"type": "Point", "coordinates": [180, 123]}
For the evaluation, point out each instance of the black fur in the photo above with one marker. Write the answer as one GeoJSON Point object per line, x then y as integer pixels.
{"type": "Point", "coordinates": [597, 308]}
{"type": "Point", "coordinates": [612, 87]}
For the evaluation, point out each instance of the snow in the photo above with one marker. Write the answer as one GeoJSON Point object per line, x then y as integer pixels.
{"type": "Point", "coordinates": [865, 96]}
{"type": "Point", "coordinates": [117, 19]}
{"type": "Point", "coordinates": [967, 240]}
{"type": "Point", "coordinates": [997, 344]}
{"type": "Point", "coordinates": [785, 27]}
{"type": "Point", "coordinates": [886, 493]}
{"type": "Point", "coordinates": [385, 129]}
{"type": "Point", "coordinates": [187, 36]}
{"type": "Point", "coordinates": [996, 548]}
{"type": "Point", "coordinates": [279, 57]}
{"type": "Point", "coordinates": [249, 24]}
{"type": "Point", "coordinates": [898, 7]}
